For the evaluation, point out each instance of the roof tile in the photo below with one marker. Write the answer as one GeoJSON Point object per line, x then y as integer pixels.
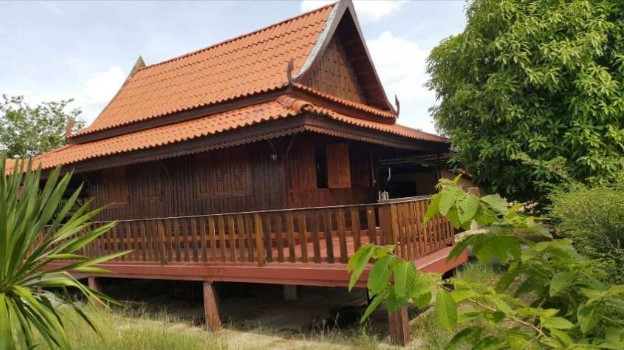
{"type": "Point", "coordinates": [282, 107]}
{"type": "Point", "coordinates": [243, 66]}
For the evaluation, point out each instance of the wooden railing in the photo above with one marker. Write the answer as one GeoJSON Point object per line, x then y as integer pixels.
{"type": "Point", "coordinates": [306, 235]}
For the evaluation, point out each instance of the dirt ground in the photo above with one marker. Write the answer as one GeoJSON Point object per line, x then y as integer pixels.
{"type": "Point", "coordinates": [256, 310]}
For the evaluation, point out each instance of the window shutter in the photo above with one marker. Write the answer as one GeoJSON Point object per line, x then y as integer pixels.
{"type": "Point", "coordinates": [338, 166]}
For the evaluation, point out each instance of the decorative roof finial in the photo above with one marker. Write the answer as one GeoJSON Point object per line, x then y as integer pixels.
{"type": "Point", "coordinates": [289, 70]}
{"type": "Point", "coordinates": [69, 127]}
{"type": "Point", "coordinates": [398, 104]}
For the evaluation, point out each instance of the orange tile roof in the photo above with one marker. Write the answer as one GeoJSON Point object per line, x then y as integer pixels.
{"type": "Point", "coordinates": [247, 65]}
{"type": "Point", "coordinates": [165, 135]}
{"type": "Point", "coordinates": [243, 66]}
{"type": "Point", "coordinates": [300, 105]}
{"type": "Point", "coordinates": [282, 107]}
{"type": "Point", "coordinates": [356, 105]}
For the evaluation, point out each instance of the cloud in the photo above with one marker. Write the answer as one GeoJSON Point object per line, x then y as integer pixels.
{"type": "Point", "coordinates": [90, 94]}
{"type": "Point", "coordinates": [52, 8]}
{"type": "Point", "coordinates": [401, 66]}
{"type": "Point", "coordinates": [99, 88]}
{"type": "Point", "coordinates": [367, 10]}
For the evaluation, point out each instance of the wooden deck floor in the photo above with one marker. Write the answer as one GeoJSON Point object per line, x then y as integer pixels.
{"type": "Point", "coordinates": [321, 274]}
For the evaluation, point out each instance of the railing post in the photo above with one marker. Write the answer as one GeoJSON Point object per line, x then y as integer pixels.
{"type": "Point", "coordinates": [258, 233]}
{"type": "Point", "coordinates": [388, 221]}
{"type": "Point", "coordinates": [161, 246]}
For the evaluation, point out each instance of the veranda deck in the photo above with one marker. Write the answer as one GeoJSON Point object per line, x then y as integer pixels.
{"type": "Point", "coordinates": [305, 246]}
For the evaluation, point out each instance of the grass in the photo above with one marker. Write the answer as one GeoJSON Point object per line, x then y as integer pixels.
{"type": "Point", "coordinates": [426, 332]}
{"type": "Point", "coordinates": [130, 330]}
{"type": "Point", "coordinates": [124, 330]}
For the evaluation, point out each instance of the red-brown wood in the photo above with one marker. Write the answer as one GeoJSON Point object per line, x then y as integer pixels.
{"type": "Point", "coordinates": [211, 307]}
{"type": "Point", "coordinates": [312, 235]}
{"type": "Point", "coordinates": [328, 275]}
{"type": "Point", "coordinates": [398, 322]}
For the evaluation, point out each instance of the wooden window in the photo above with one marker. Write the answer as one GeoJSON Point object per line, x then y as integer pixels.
{"type": "Point", "coordinates": [338, 166]}
{"type": "Point", "coordinates": [114, 186]}
{"type": "Point", "coordinates": [224, 173]}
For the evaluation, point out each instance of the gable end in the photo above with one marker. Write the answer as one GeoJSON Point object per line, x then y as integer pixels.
{"type": "Point", "coordinates": [334, 74]}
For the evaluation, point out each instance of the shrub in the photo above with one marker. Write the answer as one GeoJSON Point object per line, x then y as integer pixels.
{"type": "Point", "coordinates": [549, 297]}
{"type": "Point", "coordinates": [594, 219]}
{"type": "Point", "coordinates": [37, 228]}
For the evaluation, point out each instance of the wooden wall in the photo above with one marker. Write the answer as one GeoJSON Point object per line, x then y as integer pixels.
{"type": "Point", "coordinates": [238, 179]}
{"type": "Point", "coordinates": [349, 172]}
{"type": "Point", "coordinates": [334, 74]}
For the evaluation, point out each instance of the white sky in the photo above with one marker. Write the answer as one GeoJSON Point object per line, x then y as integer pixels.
{"type": "Point", "coordinates": [84, 50]}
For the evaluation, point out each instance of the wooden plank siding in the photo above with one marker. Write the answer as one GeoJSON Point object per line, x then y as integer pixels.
{"type": "Point", "coordinates": [335, 75]}
{"type": "Point", "coordinates": [239, 179]}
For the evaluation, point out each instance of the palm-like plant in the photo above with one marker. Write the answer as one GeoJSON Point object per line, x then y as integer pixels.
{"type": "Point", "coordinates": [37, 228]}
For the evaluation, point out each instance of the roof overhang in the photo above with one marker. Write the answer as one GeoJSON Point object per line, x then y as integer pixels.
{"type": "Point", "coordinates": [304, 122]}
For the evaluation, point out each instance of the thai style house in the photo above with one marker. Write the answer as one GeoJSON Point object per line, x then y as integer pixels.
{"type": "Point", "coordinates": [259, 159]}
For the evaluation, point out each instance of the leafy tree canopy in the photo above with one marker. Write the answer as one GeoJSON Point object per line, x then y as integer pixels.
{"type": "Point", "coordinates": [530, 83]}
{"type": "Point", "coordinates": [27, 131]}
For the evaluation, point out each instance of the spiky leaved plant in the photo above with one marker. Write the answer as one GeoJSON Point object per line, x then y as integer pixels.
{"type": "Point", "coordinates": [38, 227]}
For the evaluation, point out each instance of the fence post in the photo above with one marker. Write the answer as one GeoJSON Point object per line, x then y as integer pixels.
{"type": "Point", "coordinates": [388, 222]}
{"type": "Point", "coordinates": [161, 245]}
{"type": "Point", "coordinates": [259, 239]}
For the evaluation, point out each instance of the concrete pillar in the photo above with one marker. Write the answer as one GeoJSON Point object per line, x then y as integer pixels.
{"type": "Point", "coordinates": [290, 292]}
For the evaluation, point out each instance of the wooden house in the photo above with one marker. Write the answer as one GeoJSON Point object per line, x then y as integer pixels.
{"type": "Point", "coordinates": [259, 159]}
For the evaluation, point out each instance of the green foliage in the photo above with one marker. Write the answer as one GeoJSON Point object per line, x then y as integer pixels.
{"type": "Point", "coordinates": [549, 296]}
{"type": "Point", "coordinates": [533, 87]}
{"type": "Point", "coordinates": [27, 131]}
{"type": "Point", "coordinates": [593, 217]}
{"type": "Point", "coordinates": [36, 229]}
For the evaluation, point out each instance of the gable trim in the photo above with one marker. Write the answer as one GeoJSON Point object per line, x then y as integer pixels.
{"type": "Point", "coordinates": [344, 7]}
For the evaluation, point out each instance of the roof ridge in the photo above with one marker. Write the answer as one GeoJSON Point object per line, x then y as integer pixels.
{"type": "Point", "coordinates": [188, 54]}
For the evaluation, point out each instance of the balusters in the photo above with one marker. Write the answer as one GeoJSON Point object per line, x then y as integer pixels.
{"type": "Point", "coordinates": [314, 235]}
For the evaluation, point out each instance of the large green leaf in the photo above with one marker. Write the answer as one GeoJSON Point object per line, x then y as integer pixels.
{"type": "Point", "coordinates": [358, 262]}
{"type": "Point", "coordinates": [468, 208]}
{"type": "Point", "coordinates": [379, 277]}
{"type": "Point", "coordinates": [432, 209]}
{"type": "Point", "coordinates": [404, 273]}
{"type": "Point", "coordinates": [448, 196]}
{"type": "Point", "coordinates": [588, 316]}
{"type": "Point", "coordinates": [446, 310]}
{"type": "Point", "coordinates": [496, 203]}
{"type": "Point", "coordinates": [374, 304]}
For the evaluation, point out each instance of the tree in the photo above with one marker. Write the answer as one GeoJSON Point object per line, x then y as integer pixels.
{"type": "Point", "coordinates": [549, 297]}
{"type": "Point", "coordinates": [529, 83]}
{"type": "Point", "coordinates": [27, 131]}
{"type": "Point", "coordinates": [38, 227]}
